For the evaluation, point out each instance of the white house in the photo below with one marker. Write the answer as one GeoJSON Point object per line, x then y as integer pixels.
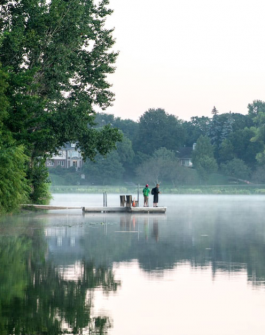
{"type": "Point", "coordinates": [67, 157]}
{"type": "Point", "coordinates": [185, 155]}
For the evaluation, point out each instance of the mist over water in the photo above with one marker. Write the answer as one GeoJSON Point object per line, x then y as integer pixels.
{"type": "Point", "coordinates": [198, 269]}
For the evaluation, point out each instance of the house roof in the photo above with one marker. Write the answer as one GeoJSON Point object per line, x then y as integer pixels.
{"type": "Point", "coordinates": [185, 152]}
{"type": "Point", "coordinates": [68, 146]}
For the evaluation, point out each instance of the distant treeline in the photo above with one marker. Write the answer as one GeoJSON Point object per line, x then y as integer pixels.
{"type": "Point", "coordinates": [229, 148]}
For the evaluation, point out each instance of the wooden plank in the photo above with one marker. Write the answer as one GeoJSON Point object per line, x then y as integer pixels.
{"type": "Point", "coordinates": [48, 207]}
{"type": "Point", "coordinates": [105, 209]}
{"type": "Point", "coordinates": [102, 209]}
{"type": "Point", "coordinates": [124, 209]}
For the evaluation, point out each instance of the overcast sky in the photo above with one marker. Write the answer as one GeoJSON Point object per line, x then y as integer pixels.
{"type": "Point", "coordinates": [187, 56]}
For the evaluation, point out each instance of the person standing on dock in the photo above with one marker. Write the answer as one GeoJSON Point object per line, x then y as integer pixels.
{"type": "Point", "coordinates": [155, 192]}
{"type": "Point", "coordinates": [146, 192]}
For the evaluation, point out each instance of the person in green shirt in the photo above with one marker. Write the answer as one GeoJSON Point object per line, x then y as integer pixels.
{"type": "Point", "coordinates": [146, 192]}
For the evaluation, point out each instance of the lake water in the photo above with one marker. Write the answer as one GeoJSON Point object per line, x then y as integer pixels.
{"type": "Point", "coordinates": [199, 269]}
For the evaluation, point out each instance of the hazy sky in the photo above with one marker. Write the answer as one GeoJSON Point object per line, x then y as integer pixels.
{"type": "Point", "coordinates": [187, 56]}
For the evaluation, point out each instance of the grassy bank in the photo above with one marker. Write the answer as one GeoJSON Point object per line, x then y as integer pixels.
{"type": "Point", "coordinates": [196, 189]}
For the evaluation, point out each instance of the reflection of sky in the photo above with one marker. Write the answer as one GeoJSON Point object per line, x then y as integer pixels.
{"type": "Point", "coordinates": [184, 301]}
{"type": "Point", "coordinates": [199, 269]}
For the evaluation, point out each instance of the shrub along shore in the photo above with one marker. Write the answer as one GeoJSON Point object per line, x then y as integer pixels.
{"type": "Point", "coordinates": [196, 189]}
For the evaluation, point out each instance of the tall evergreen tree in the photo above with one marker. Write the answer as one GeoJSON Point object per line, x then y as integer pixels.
{"type": "Point", "coordinates": [215, 129]}
{"type": "Point", "coordinates": [227, 128]}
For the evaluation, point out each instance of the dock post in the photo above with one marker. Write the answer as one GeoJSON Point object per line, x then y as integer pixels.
{"type": "Point", "coordinates": [122, 200]}
{"type": "Point", "coordinates": [105, 202]}
{"type": "Point", "coordinates": [128, 201]}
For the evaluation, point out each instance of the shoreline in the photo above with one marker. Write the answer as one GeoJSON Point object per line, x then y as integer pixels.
{"type": "Point", "coordinates": [198, 189]}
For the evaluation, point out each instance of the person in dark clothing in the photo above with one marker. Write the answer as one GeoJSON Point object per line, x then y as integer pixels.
{"type": "Point", "coordinates": [155, 193]}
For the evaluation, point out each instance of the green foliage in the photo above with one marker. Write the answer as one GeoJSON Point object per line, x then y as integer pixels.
{"type": "Point", "coordinates": [164, 167]}
{"type": "Point", "coordinates": [127, 126]}
{"type": "Point", "coordinates": [226, 152]}
{"type": "Point", "coordinates": [62, 176]}
{"type": "Point", "coordinates": [38, 175]}
{"type": "Point", "coordinates": [57, 55]}
{"type": "Point", "coordinates": [227, 128]}
{"type": "Point", "coordinates": [258, 175]}
{"type": "Point", "coordinates": [36, 298]}
{"type": "Point", "coordinates": [14, 187]}
{"type": "Point", "coordinates": [236, 168]}
{"type": "Point", "coordinates": [256, 108]}
{"type": "Point", "coordinates": [64, 48]}
{"type": "Point", "coordinates": [158, 129]}
{"type": "Point", "coordinates": [239, 145]}
{"type": "Point", "coordinates": [105, 171]}
{"type": "Point", "coordinates": [217, 184]}
{"type": "Point", "coordinates": [203, 158]}
{"type": "Point", "coordinates": [205, 166]}
{"type": "Point", "coordinates": [194, 128]}
{"type": "Point", "coordinates": [155, 169]}
{"type": "Point", "coordinates": [182, 175]}
{"type": "Point", "coordinates": [235, 134]}
{"type": "Point", "coordinates": [241, 121]}
{"type": "Point", "coordinates": [203, 148]}
{"type": "Point", "coordinates": [256, 111]}
{"type": "Point", "coordinates": [244, 147]}
{"type": "Point", "coordinates": [125, 151]}
{"type": "Point", "coordinates": [110, 169]}
{"type": "Point", "coordinates": [215, 129]}
{"type": "Point", "coordinates": [13, 278]}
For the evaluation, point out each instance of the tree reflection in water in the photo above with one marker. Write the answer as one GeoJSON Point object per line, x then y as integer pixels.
{"type": "Point", "coordinates": [35, 298]}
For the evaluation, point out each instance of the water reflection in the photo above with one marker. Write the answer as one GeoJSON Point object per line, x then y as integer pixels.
{"type": "Point", "coordinates": [38, 296]}
{"type": "Point", "coordinates": [54, 264]}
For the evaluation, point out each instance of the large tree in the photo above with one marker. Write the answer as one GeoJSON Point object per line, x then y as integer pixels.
{"type": "Point", "coordinates": [236, 168]}
{"type": "Point", "coordinates": [14, 187]}
{"type": "Point", "coordinates": [158, 129]}
{"type": "Point", "coordinates": [203, 158]}
{"type": "Point", "coordinates": [194, 128]}
{"type": "Point", "coordinates": [57, 55]}
{"type": "Point", "coordinates": [127, 126]}
{"type": "Point", "coordinates": [256, 111]}
{"type": "Point", "coordinates": [215, 129]}
{"type": "Point", "coordinates": [239, 145]}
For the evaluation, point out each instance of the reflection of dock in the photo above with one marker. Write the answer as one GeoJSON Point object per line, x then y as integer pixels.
{"type": "Point", "coordinates": [103, 209]}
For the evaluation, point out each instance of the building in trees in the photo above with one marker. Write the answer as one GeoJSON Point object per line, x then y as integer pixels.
{"type": "Point", "coordinates": [68, 156]}
{"type": "Point", "coordinates": [185, 155]}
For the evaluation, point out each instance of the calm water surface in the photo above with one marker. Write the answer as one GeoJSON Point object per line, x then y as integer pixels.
{"type": "Point", "coordinates": [198, 270]}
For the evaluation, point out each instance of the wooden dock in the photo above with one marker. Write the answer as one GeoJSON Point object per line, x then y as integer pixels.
{"type": "Point", "coordinates": [50, 208]}
{"type": "Point", "coordinates": [124, 210]}
{"type": "Point", "coordinates": [101, 209]}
